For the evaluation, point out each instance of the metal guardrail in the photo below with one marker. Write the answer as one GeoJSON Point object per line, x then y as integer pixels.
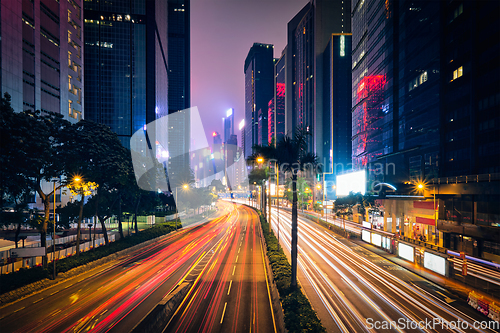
{"type": "Point", "coordinates": [424, 244]}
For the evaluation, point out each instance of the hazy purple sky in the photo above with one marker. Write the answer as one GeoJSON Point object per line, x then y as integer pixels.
{"type": "Point", "coordinates": [222, 32]}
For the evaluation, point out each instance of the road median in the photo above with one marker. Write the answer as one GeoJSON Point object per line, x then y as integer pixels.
{"type": "Point", "coordinates": [298, 314]}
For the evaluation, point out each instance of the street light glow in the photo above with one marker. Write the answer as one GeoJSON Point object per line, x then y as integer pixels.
{"type": "Point", "coordinates": [185, 186]}
{"type": "Point", "coordinates": [260, 160]}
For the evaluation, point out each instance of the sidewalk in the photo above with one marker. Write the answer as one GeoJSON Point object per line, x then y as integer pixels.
{"type": "Point", "coordinates": [454, 286]}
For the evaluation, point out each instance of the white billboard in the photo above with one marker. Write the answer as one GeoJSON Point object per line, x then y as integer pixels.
{"type": "Point", "coordinates": [406, 252]}
{"type": "Point", "coordinates": [365, 235]}
{"type": "Point", "coordinates": [376, 239]}
{"type": "Point", "coordinates": [351, 182]}
{"type": "Point", "coordinates": [435, 263]}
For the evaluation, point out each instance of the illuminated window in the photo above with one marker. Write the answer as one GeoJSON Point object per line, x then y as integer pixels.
{"type": "Point", "coordinates": [69, 82]}
{"type": "Point", "coordinates": [69, 15]}
{"type": "Point", "coordinates": [70, 112]}
{"type": "Point", "coordinates": [69, 58]}
{"type": "Point", "coordinates": [458, 73]}
{"type": "Point", "coordinates": [423, 77]}
{"type": "Point", "coordinates": [69, 36]}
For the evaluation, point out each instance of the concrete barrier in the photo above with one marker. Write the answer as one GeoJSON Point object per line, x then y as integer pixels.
{"type": "Point", "coordinates": [160, 315]}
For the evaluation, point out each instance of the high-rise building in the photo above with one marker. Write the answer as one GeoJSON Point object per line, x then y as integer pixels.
{"type": "Point", "coordinates": [125, 65]}
{"type": "Point", "coordinates": [336, 126]}
{"type": "Point", "coordinates": [217, 138]}
{"type": "Point", "coordinates": [41, 56]}
{"type": "Point", "coordinates": [179, 84]}
{"type": "Point", "coordinates": [279, 98]}
{"type": "Point", "coordinates": [470, 94]}
{"type": "Point", "coordinates": [241, 127]}
{"type": "Point", "coordinates": [259, 80]}
{"type": "Point", "coordinates": [307, 82]}
{"type": "Point", "coordinates": [228, 124]}
{"type": "Point", "coordinates": [427, 114]}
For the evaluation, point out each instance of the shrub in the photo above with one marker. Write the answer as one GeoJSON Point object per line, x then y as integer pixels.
{"type": "Point", "coordinates": [299, 315]}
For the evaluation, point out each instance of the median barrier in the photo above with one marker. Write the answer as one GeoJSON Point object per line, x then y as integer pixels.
{"type": "Point", "coordinates": [158, 318]}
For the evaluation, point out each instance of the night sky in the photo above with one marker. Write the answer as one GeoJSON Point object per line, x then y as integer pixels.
{"type": "Point", "coordinates": [222, 32]}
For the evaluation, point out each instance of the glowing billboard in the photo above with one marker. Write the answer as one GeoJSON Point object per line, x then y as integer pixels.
{"type": "Point", "coordinates": [351, 182]}
{"type": "Point", "coordinates": [435, 263]}
{"type": "Point", "coordinates": [406, 252]}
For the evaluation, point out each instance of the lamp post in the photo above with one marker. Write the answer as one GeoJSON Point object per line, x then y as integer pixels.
{"type": "Point", "coordinates": [54, 235]}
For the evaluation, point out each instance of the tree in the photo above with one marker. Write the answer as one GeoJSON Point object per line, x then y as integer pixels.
{"type": "Point", "coordinates": [292, 157]}
{"type": "Point", "coordinates": [82, 188]}
{"type": "Point", "coordinates": [95, 153]}
{"type": "Point", "coordinates": [32, 152]}
{"type": "Point", "coordinates": [218, 185]}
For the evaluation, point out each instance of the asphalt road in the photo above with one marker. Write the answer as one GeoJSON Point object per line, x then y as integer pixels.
{"type": "Point", "coordinates": [230, 293]}
{"type": "Point", "coordinates": [355, 290]}
{"type": "Point", "coordinates": [116, 296]}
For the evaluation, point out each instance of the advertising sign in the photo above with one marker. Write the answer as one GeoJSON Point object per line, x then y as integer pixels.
{"type": "Point", "coordinates": [351, 182]}
{"type": "Point", "coordinates": [376, 239]}
{"type": "Point", "coordinates": [406, 252]}
{"type": "Point", "coordinates": [435, 263]}
{"type": "Point", "coordinates": [365, 235]}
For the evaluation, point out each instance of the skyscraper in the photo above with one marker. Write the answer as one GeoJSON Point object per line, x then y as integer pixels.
{"type": "Point", "coordinates": [125, 65]}
{"type": "Point", "coordinates": [336, 126]}
{"type": "Point", "coordinates": [426, 114]}
{"type": "Point", "coordinates": [179, 83]}
{"type": "Point", "coordinates": [228, 124]}
{"type": "Point", "coordinates": [259, 80]}
{"type": "Point", "coordinates": [279, 97]}
{"type": "Point", "coordinates": [41, 56]}
{"type": "Point", "coordinates": [309, 33]}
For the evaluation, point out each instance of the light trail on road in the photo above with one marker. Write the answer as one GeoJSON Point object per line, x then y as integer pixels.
{"type": "Point", "coordinates": [118, 295]}
{"type": "Point", "coordinates": [230, 294]}
{"type": "Point", "coordinates": [348, 284]}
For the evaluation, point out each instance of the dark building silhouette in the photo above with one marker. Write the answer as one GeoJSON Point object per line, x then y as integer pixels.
{"type": "Point", "coordinates": [179, 83]}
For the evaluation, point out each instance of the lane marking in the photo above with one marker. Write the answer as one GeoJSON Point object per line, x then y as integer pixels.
{"type": "Point", "coordinates": [224, 311]}
{"type": "Point", "coordinates": [55, 292]}
{"type": "Point", "coordinates": [234, 269]}
{"type": "Point", "coordinates": [37, 301]}
{"type": "Point", "coordinates": [230, 283]}
{"type": "Point", "coordinates": [236, 258]}
{"type": "Point", "coordinates": [239, 250]}
{"type": "Point", "coordinates": [267, 284]}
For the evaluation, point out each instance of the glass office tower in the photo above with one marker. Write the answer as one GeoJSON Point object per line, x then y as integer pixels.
{"type": "Point", "coordinates": [259, 80]}
{"type": "Point", "coordinates": [126, 69]}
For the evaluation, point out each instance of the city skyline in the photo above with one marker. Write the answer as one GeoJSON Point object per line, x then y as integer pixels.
{"type": "Point", "coordinates": [217, 59]}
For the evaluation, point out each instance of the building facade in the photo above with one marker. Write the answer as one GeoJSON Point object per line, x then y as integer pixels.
{"type": "Point", "coordinates": [279, 128]}
{"type": "Point", "coordinates": [309, 34]}
{"type": "Point", "coordinates": [228, 125]}
{"type": "Point", "coordinates": [126, 66]}
{"type": "Point", "coordinates": [425, 81]}
{"type": "Point", "coordinates": [179, 84]}
{"type": "Point", "coordinates": [42, 59]}
{"type": "Point", "coordinates": [259, 80]}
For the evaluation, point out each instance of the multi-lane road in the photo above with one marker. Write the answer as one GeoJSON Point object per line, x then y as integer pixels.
{"type": "Point", "coordinates": [355, 290]}
{"type": "Point", "coordinates": [229, 293]}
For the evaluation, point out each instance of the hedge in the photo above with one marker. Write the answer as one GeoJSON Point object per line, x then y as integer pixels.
{"type": "Point", "coordinates": [299, 315]}
{"type": "Point", "coordinates": [25, 276]}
